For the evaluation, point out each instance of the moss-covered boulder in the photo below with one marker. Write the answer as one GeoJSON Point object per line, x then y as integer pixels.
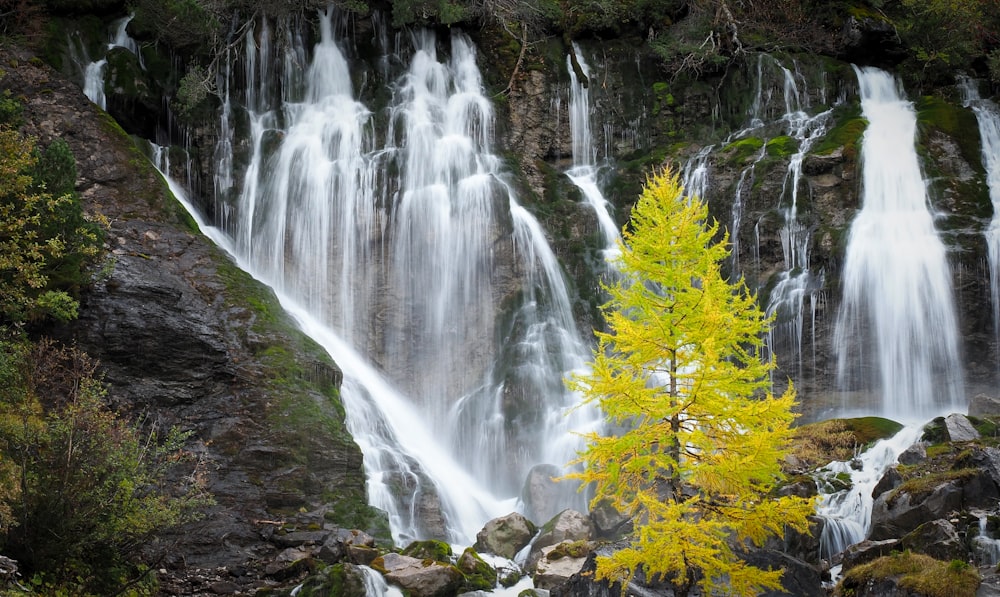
{"type": "Point", "coordinates": [479, 576]}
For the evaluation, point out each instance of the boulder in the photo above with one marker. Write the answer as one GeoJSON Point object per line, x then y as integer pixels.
{"type": "Point", "coordinates": [541, 492]}
{"type": "Point", "coordinates": [289, 563]}
{"type": "Point", "coordinates": [890, 480]}
{"type": "Point", "coordinates": [982, 405]}
{"type": "Point", "coordinates": [914, 454]}
{"type": "Point", "coordinates": [557, 563]}
{"type": "Point", "coordinates": [866, 551]}
{"type": "Point", "coordinates": [959, 428]}
{"type": "Point", "coordinates": [505, 536]}
{"type": "Point", "coordinates": [609, 523]}
{"type": "Point", "coordinates": [799, 579]}
{"type": "Point", "coordinates": [568, 525]}
{"type": "Point", "coordinates": [895, 513]}
{"type": "Point", "coordinates": [419, 578]}
{"type": "Point", "coordinates": [300, 538]}
{"type": "Point", "coordinates": [938, 539]}
{"type": "Point", "coordinates": [478, 574]}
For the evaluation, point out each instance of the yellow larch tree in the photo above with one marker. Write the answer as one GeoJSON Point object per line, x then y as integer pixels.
{"type": "Point", "coordinates": [698, 440]}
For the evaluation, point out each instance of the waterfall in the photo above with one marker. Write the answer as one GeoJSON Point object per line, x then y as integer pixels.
{"type": "Point", "coordinates": [896, 328]}
{"type": "Point", "coordinates": [93, 83]}
{"type": "Point", "coordinates": [409, 258]}
{"type": "Point", "coordinates": [847, 512]}
{"type": "Point", "coordinates": [797, 286]}
{"type": "Point", "coordinates": [94, 71]}
{"type": "Point", "coordinates": [584, 172]}
{"type": "Point", "coordinates": [985, 547]}
{"type": "Point", "coordinates": [988, 116]}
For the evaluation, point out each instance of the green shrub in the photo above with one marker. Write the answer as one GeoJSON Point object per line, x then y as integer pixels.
{"type": "Point", "coordinates": [47, 242]}
{"type": "Point", "coordinates": [91, 490]}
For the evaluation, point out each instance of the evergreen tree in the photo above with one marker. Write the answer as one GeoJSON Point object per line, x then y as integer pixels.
{"type": "Point", "coordinates": [700, 441]}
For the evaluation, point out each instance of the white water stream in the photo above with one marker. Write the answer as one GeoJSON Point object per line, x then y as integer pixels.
{"type": "Point", "coordinates": [94, 71]}
{"type": "Point", "coordinates": [410, 260]}
{"type": "Point", "coordinates": [896, 329]}
{"type": "Point", "coordinates": [988, 116]}
{"type": "Point", "coordinates": [584, 171]}
{"type": "Point", "coordinates": [847, 513]}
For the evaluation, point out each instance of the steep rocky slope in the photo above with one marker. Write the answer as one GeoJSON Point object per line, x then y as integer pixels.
{"type": "Point", "coordinates": [187, 339]}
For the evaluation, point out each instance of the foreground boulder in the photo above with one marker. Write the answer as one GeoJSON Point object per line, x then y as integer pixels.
{"type": "Point", "coordinates": [505, 536]}
{"type": "Point", "coordinates": [568, 525]}
{"type": "Point", "coordinates": [558, 563]}
{"type": "Point", "coordinates": [419, 578]}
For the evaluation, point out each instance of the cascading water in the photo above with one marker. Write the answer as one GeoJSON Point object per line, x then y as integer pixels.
{"type": "Point", "coordinates": [988, 116]}
{"type": "Point", "coordinates": [584, 172]}
{"type": "Point", "coordinates": [896, 328]}
{"type": "Point", "coordinates": [847, 512]}
{"type": "Point", "coordinates": [94, 71]}
{"type": "Point", "coordinates": [779, 109]}
{"type": "Point", "coordinates": [797, 285]}
{"type": "Point", "coordinates": [452, 405]}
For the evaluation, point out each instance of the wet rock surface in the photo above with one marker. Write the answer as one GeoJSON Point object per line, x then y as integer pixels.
{"type": "Point", "coordinates": [178, 346]}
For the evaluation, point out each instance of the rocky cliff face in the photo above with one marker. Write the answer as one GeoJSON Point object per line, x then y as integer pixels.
{"type": "Point", "coordinates": [187, 339]}
{"type": "Point", "coordinates": [644, 119]}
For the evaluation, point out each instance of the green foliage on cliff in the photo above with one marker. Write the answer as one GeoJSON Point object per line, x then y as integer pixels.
{"type": "Point", "coordinates": [88, 489]}
{"type": "Point", "coordinates": [945, 35]}
{"type": "Point", "coordinates": [46, 241]}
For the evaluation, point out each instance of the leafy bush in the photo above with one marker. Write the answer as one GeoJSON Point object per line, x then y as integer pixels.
{"type": "Point", "coordinates": [46, 241]}
{"type": "Point", "coordinates": [91, 488]}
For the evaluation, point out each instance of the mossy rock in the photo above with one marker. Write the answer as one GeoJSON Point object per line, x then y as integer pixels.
{"type": "Point", "coordinates": [743, 149]}
{"type": "Point", "coordinates": [570, 549]}
{"type": "Point", "coordinates": [869, 430]}
{"type": "Point", "coordinates": [846, 133]}
{"type": "Point", "coordinates": [921, 485]}
{"type": "Point", "coordinates": [431, 549]}
{"type": "Point", "coordinates": [781, 147]}
{"type": "Point", "coordinates": [479, 576]}
{"type": "Point", "coordinates": [916, 574]}
{"type": "Point", "coordinates": [340, 580]}
{"type": "Point", "coordinates": [935, 432]}
{"type": "Point", "coordinates": [817, 443]}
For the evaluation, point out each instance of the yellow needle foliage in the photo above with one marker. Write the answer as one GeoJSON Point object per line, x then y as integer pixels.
{"type": "Point", "coordinates": [699, 436]}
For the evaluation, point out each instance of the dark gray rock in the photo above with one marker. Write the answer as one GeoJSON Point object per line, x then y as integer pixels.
{"type": "Point", "coordinates": [890, 480]}
{"type": "Point", "coordinates": [541, 492]}
{"type": "Point", "coordinates": [798, 579]}
{"type": "Point", "coordinates": [914, 454]}
{"type": "Point", "coordinates": [895, 514]}
{"type": "Point", "coordinates": [866, 551]}
{"type": "Point", "coordinates": [983, 405]}
{"type": "Point", "coordinates": [609, 523]}
{"type": "Point", "coordinates": [300, 538]}
{"type": "Point", "coordinates": [938, 539]}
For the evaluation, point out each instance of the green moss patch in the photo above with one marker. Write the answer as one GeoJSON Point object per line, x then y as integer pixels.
{"type": "Point", "coordinates": [781, 147]}
{"type": "Point", "coordinates": [818, 443]}
{"type": "Point", "coordinates": [741, 150]}
{"type": "Point", "coordinates": [439, 551]}
{"type": "Point", "coordinates": [915, 573]}
{"type": "Point", "coordinates": [924, 484]}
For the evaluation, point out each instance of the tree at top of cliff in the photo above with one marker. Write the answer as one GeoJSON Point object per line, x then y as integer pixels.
{"type": "Point", "coordinates": [679, 371]}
